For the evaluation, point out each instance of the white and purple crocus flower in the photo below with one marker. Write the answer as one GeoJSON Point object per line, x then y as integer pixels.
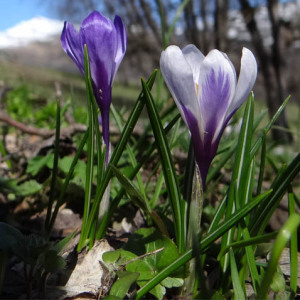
{"type": "Point", "coordinates": [106, 43]}
{"type": "Point", "coordinates": [207, 94]}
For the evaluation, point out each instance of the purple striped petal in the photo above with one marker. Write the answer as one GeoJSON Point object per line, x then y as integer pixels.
{"type": "Point", "coordinates": [71, 44]}
{"type": "Point", "coordinates": [106, 44]}
{"type": "Point", "coordinates": [94, 31]}
{"type": "Point", "coordinates": [216, 89]}
{"type": "Point", "coordinates": [206, 93]}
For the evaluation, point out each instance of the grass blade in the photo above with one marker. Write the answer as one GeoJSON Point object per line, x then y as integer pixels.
{"type": "Point", "coordinates": [118, 198]}
{"type": "Point", "coordinates": [54, 170]}
{"type": "Point", "coordinates": [124, 138]}
{"type": "Point", "coordinates": [237, 287]}
{"type": "Point", "coordinates": [168, 167]}
{"type": "Point", "coordinates": [293, 249]}
{"type": "Point", "coordinates": [268, 127]}
{"type": "Point", "coordinates": [284, 235]}
{"type": "Point", "coordinates": [239, 174]}
{"type": "Point", "coordinates": [268, 206]}
{"type": "Point", "coordinates": [66, 181]}
{"type": "Point", "coordinates": [204, 245]}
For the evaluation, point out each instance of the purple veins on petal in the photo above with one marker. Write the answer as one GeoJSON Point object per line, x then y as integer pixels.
{"type": "Point", "coordinates": [106, 44]}
{"type": "Point", "coordinates": [206, 93]}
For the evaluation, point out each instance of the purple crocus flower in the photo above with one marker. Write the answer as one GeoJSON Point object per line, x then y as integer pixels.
{"type": "Point", "coordinates": [206, 93]}
{"type": "Point", "coordinates": [106, 43]}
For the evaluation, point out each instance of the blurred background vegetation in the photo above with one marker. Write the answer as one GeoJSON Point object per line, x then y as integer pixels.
{"type": "Point", "coordinates": [270, 28]}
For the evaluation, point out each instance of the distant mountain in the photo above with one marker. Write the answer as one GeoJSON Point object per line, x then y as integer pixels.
{"type": "Point", "coordinates": [36, 29]}
{"type": "Point", "coordinates": [35, 42]}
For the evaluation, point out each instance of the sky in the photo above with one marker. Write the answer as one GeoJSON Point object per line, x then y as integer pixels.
{"type": "Point", "coordinates": [15, 11]}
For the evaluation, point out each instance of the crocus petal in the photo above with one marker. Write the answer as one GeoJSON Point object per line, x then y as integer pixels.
{"type": "Point", "coordinates": [106, 44]}
{"type": "Point", "coordinates": [206, 93]}
{"type": "Point", "coordinates": [194, 58]}
{"type": "Point", "coordinates": [247, 77]}
{"type": "Point", "coordinates": [216, 89]}
{"type": "Point", "coordinates": [71, 43]}
{"type": "Point", "coordinates": [121, 42]}
{"type": "Point", "coordinates": [99, 34]}
{"type": "Point", "coordinates": [178, 76]}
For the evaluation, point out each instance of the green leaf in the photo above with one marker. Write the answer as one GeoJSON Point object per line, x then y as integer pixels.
{"type": "Point", "coordinates": [238, 290]}
{"type": "Point", "coordinates": [65, 163]}
{"type": "Point", "coordinates": [8, 185]}
{"type": "Point", "coordinates": [121, 286]}
{"type": "Point", "coordinates": [237, 194]}
{"type": "Point", "coordinates": [67, 181]}
{"type": "Point", "coordinates": [155, 253]}
{"type": "Point", "coordinates": [204, 245]}
{"type": "Point", "coordinates": [158, 291]}
{"type": "Point", "coordinates": [54, 169]}
{"type": "Point", "coordinates": [36, 163]}
{"type": "Point", "coordinates": [58, 247]}
{"type": "Point", "coordinates": [79, 173]}
{"type": "Point", "coordinates": [278, 283]}
{"type": "Point", "coordinates": [147, 240]}
{"type": "Point", "coordinates": [124, 138]}
{"type": "Point", "coordinates": [293, 247]}
{"type": "Point", "coordinates": [282, 239]}
{"type": "Point", "coordinates": [171, 282]}
{"type": "Point", "coordinates": [168, 167]}
{"type": "Point", "coordinates": [111, 256]}
{"type": "Point", "coordinates": [118, 257]}
{"type": "Point", "coordinates": [29, 187]}
{"type": "Point", "coordinates": [132, 191]}
{"type": "Point", "coordinates": [269, 204]}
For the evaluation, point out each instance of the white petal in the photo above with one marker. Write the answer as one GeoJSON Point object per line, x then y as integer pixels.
{"type": "Point", "coordinates": [247, 77]}
{"type": "Point", "coordinates": [194, 58]}
{"type": "Point", "coordinates": [178, 76]}
{"type": "Point", "coordinates": [216, 90]}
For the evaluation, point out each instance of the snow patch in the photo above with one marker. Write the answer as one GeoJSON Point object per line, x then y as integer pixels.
{"type": "Point", "coordinates": [36, 29]}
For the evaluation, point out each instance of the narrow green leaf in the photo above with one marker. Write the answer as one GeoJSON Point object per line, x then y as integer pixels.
{"type": "Point", "coordinates": [54, 170]}
{"type": "Point", "coordinates": [239, 175]}
{"type": "Point", "coordinates": [3, 154]}
{"type": "Point", "coordinates": [125, 136]}
{"type": "Point", "coordinates": [118, 198]}
{"type": "Point", "coordinates": [282, 239]}
{"type": "Point", "coordinates": [167, 165]}
{"type": "Point", "coordinates": [58, 247]}
{"type": "Point", "coordinates": [178, 13]}
{"type": "Point", "coordinates": [66, 181]}
{"type": "Point", "coordinates": [293, 248]}
{"type": "Point", "coordinates": [204, 245]}
{"type": "Point", "coordinates": [132, 191]}
{"type": "Point", "coordinates": [269, 204]}
{"type": "Point", "coordinates": [238, 290]}
{"type": "Point", "coordinates": [268, 127]}
{"type": "Point", "coordinates": [188, 187]}
{"type": "Point", "coordinates": [131, 154]}
{"type": "Point", "coordinates": [261, 165]}
{"type": "Point", "coordinates": [251, 241]}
